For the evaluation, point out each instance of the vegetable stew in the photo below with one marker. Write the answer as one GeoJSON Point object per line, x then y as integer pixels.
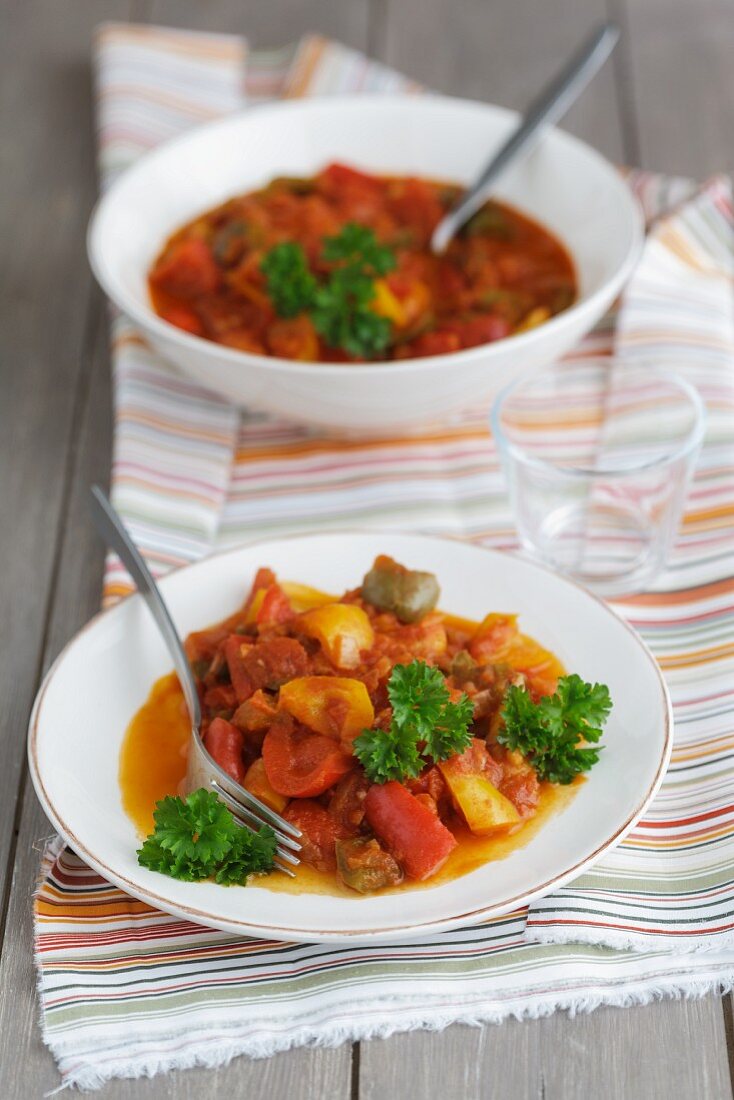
{"type": "Point", "coordinates": [337, 268]}
{"type": "Point", "coordinates": [389, 733]}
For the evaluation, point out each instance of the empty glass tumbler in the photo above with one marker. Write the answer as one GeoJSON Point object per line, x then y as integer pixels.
{"type": "Point", "coordinates": [598, 455]}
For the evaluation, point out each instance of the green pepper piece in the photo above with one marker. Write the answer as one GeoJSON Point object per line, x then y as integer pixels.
{"type": "Point", "coordinates": [490, 221]}
{"type": "Point", "coordinates": [463, 667]}
{"type": "Point", "coordinates": [364, 866]}
{"type": "Point", "coordinates": [408, 593]}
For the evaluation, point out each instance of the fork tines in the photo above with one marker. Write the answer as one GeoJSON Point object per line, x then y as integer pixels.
{"type": "Point", "coordinates": [252, 813]}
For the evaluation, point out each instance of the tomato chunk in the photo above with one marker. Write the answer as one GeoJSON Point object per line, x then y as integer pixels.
{"type": "Point", "coordinates": [417, 839]}
{"type": "Point", "coordinates": [184, 318]}
{"type": "Point", "coordinates": [266, 664]}
{"type": "Point", "coordinates": [482, 329]}
{"type": "Point", "coordinates": [256, 714]}
{"type": "Point", "coordinates": [220, 697]}
{"type": "Point", "coordinates": [320, 833]}
{"type": "Point", "coordinates": [225, 742]}
{"type": "Point", "coordinates": [187, 270]}
{"type": "Point", "coordinates": [440, 342]}
{"type": "Point", "coordinates": [275, 606]}
{"type": "Point", "coordinates": [341, 177]}
{"type": "Point", "coordinates": [300, 763]}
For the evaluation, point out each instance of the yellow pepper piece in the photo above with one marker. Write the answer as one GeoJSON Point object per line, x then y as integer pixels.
{"type": "Point", "coordinates": [387, 304]}
{"type": "Point", "coordinates": [483, 807]}
{"type": "Point", "coordinates": [303, 597]}
{"type": "Point", "coordinates": [494, 637]}
{"type": "Point", "coordinates": [343, 630]}
{"type": "Point", "coordinates": [335, 706]}
{"type": "Point", "coordinates": [536, 317]}
{"type": "Point", "coordinates": [257, 783]}
{"type": "Point", "coordinates": [257, 602]}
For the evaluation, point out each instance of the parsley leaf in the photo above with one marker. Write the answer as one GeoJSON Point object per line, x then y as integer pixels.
{"type": "Point", "coordinates": [198, 838]}
{"type": "Point", "coordinates": [340, 305]}
{"type": "Point", "coordinates": [249, 854]}
{"type": "Point", "coordinates": [423, 715]}
{"type": "Point", "coordinates": [417, 694]}
{"type": "Point", "coordinates": [290, 284]}
{"type": "Point", "coordinates": [548, 732]}
{"type": "Point", "coordinates": [451, 733]}
{"type": "Point", "coordinates": [388, 754]}
{"type": "Point", "coordinates": [341, 314]}
{"type": "Point", "coordinates": [156, 858]}
{"type": "Point", "coordinates": [357, 245]}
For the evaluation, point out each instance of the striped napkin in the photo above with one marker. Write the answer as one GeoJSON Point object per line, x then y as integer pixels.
{"type": "Point", "coordinates": [127, 990]}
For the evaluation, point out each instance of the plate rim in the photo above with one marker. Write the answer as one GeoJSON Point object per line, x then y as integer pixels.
{"type": "Point", "coordinates": [362, 935]}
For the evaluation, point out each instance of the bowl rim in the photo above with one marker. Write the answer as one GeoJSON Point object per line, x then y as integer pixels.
{"type": "Point", "coordinates": [147, 318]}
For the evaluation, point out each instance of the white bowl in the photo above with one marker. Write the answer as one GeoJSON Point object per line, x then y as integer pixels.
{"type": "Point", "coordinates": [95, 686]}
{"type": "Point", "coordinates": [564, 184]}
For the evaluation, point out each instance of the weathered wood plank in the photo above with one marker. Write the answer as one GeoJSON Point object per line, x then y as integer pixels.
{"type": "Point", "coordinates": [679, 83]}
{"type": "Point", "coordinates": [270, 24]}
{"type": "Point", "coordinates": [649, 1053]}
{"type": "Point", "coordinates": [503, 53]}
{"type": "Point", "coordinates": [48, 189]}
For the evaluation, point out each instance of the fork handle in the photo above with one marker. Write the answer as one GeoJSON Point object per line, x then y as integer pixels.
{"type": "Point", "coordinates": [112, 530]}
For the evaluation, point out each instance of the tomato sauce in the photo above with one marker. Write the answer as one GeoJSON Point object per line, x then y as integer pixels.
{"type": "Point", "coordinates": [502, 274]}
{"type": "Point", "coordinates": [153, 765]}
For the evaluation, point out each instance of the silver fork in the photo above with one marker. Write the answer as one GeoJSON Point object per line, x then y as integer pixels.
{"type": "Point", "coordinates": [203, 770]}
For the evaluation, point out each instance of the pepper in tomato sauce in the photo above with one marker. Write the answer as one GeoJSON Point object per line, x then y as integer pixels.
{"type": "Point", "coordinates": [292, 680]}
{"type": "Point", "coordinates": [217, 277]}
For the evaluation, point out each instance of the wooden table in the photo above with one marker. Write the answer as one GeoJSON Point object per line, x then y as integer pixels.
{"type": "Point", "coordinates": [667, 102]}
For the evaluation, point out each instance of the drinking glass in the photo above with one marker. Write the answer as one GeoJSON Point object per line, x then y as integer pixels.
{"type": "Point", "coordinates": [598, 455]}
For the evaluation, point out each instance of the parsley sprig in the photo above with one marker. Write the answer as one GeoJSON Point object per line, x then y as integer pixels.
{"type": "Point", "coordinates": [426, 726]}
{"type": "Point", "coordinates": [339, 306]}
{"type": "Point", "coordinates": [198, 838]}
{"type": "Point", "coordinates": [548, 732]}
{"type": "Point", "coordinates": [356, 245]}
{"type": "Point", "coordinates": [291, 285]}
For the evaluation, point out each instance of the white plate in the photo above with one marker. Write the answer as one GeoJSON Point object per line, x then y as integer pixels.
{"type": "Point", "coordinates": [563, 183]}
{"type": "Point", "coordinates": [104, 675]}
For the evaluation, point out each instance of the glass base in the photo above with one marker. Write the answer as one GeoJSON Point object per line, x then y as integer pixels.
{"type": "Point", "coordinates": [607, 547]}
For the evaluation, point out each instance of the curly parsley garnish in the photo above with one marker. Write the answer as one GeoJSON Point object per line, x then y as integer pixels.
{"type": "Point", "coordinates": [339, 306]}
{"type": "Point", "coordinates": [548, 732]}
{"type": "Point", "coordinates": [290, 284]}
{"type": "Point", "coordinates": [426, 726]}
{"type": "Point", "coordinates": [357, 246]}
{"type": "Point", "coordinates": [198, 838]}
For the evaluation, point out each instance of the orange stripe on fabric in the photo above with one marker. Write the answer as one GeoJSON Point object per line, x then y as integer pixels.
{"type": "Point", "coordinates": [198, 47]}
{"type": "Point", "coordinates": [299, 79]}
{"type": "Point", "coordinates": [162, 99]}
{"type": "Point", "coordinates": [302, 449]}
{"type": "Point", "coordinates": [189, 433]}
{"type": "Point", "coordinates": [682, 596]}
{"type": "Point", "coordinates": [697, 657]}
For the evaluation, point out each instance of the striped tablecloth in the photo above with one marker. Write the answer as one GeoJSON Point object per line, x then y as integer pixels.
{"type": "Point", "coordinates": [126, 990]}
